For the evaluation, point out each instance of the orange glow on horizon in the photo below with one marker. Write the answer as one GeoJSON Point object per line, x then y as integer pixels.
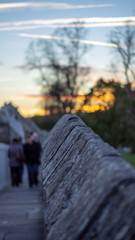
{"type": "Point", "coordinates": [101, 100]}
{"type": "Point", "coordinates": [97, 102]}
{"type": "Point", "coordinates": [34, 112]}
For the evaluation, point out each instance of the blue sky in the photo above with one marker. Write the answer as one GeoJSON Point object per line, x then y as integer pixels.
{"type": "Point", "coordinates": [19, 25]}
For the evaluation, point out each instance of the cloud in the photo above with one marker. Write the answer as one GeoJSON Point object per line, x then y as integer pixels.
{"type": "Point", "coordinates": [22, 67]}
{"type": "Point", "coordinates": [49, 5]}
{"type": "Point", "coordinates": [5, 79]}
{"type": "Point", "coordinates": [1, 63]}
{"type": "Point", "coordinates": [41, 97]}
{"type": "Point", "coordinates": [28, 96]}
{"type": "Point", "coordinates": [50, 66]}
{"type": "Point", "coordinates": [63, 38]}
{"type": "Point", "coordinates": [32, 96]}
{"type": "Point", "coordinates": [68, 22]}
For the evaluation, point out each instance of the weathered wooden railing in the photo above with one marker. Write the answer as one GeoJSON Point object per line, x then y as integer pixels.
{"type": "Point", "coordinates": [89, 188]}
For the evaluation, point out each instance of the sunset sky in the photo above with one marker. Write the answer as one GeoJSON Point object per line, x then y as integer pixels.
{"type": "Point", "coordinates": [23, 21]}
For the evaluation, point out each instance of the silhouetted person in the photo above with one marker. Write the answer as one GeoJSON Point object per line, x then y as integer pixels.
{"type": "Point", "coordinates": [30, 153]}
{"type": "Point", "coordinates": [37, 151]}
{"type": "Point", "coordinates": [14, 153]}
{"type": "Point", "coordinates": [21, 160]}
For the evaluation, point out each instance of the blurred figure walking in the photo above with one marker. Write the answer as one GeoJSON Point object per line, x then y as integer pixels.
{"type": "Point", "coordinates": [37, 151]}
{"type": "Point", "coordinates": [15, 161]}
{"type": "Point", "coordinates": [21, 161]}
{"type": "Point", "coordinates": [32, 152]}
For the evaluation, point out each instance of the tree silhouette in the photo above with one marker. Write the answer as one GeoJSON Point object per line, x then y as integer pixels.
{"type": "Point", "coordinates": [60, 63]}
{"type": "Point", "coordinates": [124, 38]}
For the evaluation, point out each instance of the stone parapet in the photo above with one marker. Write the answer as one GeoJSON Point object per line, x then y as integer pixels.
{"type": "Point", "coordinates": [89, 188]}
{"type": "Point", "coordinates": [4, 167]}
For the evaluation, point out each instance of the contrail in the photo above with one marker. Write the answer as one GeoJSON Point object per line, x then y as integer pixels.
{"type": "Point", "coordinates": [70, 20]}
{"type": "Point", "coordinates": [68, 23]}
{"type": "Point", "coordinates": [50, 5]}
{"type": "Point", "coordinates": [71, 39]}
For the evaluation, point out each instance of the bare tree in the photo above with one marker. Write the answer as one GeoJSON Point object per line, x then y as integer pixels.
{"type": "Point", "coordinates": [124, 38]}
{"type": "Point", "coordinates": [60, 63]}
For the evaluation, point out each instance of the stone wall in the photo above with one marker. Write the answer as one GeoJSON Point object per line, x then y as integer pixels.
{"type": "Point", "coordinates": [89, 188]}
{"type": "Point", "coordinates": [4, 167]}
{"type": "Point", "coordinates": [4, 133]}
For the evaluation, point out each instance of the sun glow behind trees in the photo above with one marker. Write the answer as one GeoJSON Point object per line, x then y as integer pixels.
{"type": "Point", "coordinates": [94, 103]}
{"type": "Point", "coordinates": [99, 101]}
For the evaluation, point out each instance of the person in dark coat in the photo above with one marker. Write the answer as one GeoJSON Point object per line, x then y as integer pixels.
{"type": "Point", "coordinates": [30, 153]}
{"type": "Point", "coordinates": [21, 161]}
{"type": "Point", "coordinates": [15, 157]}
{"type": "Point", "coordinates": [37, 151]}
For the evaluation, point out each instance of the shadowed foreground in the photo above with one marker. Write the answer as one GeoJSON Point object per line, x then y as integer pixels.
{"type": "Point", "coordinates": [21, 213]}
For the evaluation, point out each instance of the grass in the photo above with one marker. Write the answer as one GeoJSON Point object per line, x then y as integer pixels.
{"type": "Point", "coordinates": [129, 157]}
